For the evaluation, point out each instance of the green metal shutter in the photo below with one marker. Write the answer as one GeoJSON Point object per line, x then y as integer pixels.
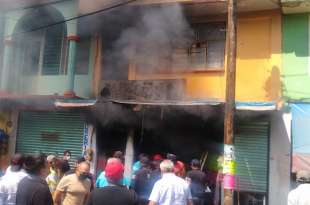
{"type": "Point", "coordinates": [251, 146]}
{"type": "Point", "coordinates": [50, 133]}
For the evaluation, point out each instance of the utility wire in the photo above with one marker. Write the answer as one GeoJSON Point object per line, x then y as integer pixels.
{"type": "Point", "coordinates": [74, 18]}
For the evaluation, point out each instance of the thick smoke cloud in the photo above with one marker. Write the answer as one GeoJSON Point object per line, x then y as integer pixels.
{"type": "Point", "coordinates": [153, 38]}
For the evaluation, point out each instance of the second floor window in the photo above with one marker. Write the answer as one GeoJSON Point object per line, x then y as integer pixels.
{"type": "Point", "coordinates": [205, 52]}
{"type": "Point", "coordinates": [42, 51]}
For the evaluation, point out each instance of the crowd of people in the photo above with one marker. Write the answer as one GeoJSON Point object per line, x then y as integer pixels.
{"type": "Point", "coordinates": [49, 180]}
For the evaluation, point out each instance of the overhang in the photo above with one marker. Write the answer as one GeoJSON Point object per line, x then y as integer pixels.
{"type": "Point", "coordinates": [246, 106]}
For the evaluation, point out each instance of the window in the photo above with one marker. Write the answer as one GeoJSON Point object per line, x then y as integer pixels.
{"type": "Point", "coordinates": [205, 52]}
{"type": "Point", "coordinates": [43, 51]}
{"type": "Point", "coordinates": [53, 44]}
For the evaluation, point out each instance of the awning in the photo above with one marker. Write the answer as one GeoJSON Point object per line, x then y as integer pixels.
{"type": "Point", "coordinates": [28, 101]}
{"type": "Point", "coordinates": [75, 103]}
{"type": "Point", "coordinates": [168, 102]}
{"type": "Point", "coordinates": [249, 106]}
{"type": "Point", "coordinates": [256, 106]}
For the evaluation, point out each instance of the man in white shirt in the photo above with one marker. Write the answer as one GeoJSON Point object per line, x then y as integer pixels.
{"type": "Point", "coordinates": [170, 189]}
{"type": "Point", "coordinates": [9, 182]}
{"type": "Point", "coordinates": [301, 195]}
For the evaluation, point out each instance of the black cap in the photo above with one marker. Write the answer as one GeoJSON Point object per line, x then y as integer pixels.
{"type": "Point", "coordinates": [172, 157]}
{"type": "Point", "coordinates": [195, 163]}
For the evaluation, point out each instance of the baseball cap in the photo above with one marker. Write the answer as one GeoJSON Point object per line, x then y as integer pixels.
{"type": "Point", "coordinates": [114, 170]}
{"type": "Point", "coordinates": [157, 157]}
{"type": "Point", "coordinates": [195, 163]}
{"type": "Point", "coordinates": [172, 157]}
{"type": "Point", "coordinates": [50, 158]}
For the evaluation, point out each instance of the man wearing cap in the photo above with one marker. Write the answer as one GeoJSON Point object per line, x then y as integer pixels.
{"type": "Point", "coordinates": [9, 182]}
{"type": "Point", "coordinates": [170, 189]}
{"type": "Point", "coordinates": [198, 180]}
{"type": "Point", "coordinates": [300, 195]}
{"type": "Point", "coordinates": [102, 180]}
{"type": "Point", "coordinates": [114, 193]}
{"type": "Point", "coordinates": [52, 179]}
{"type": "Point", "coordinates": [142, 182]}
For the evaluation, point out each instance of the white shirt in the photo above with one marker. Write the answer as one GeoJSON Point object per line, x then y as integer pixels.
{"type": "Point", "coordinates": [300, 195]}
{"type": "Point", "coordinates": [8, 186]}
{"type": "Point", "coordinates": [171, 190]}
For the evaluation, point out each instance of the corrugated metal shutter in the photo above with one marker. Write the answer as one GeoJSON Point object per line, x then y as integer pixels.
{"type": "Point", "coordinates": [50, 133]}
{"type": "Point", "coordinates": [251, 144]}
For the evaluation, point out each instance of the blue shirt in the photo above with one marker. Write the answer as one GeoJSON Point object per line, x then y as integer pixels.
{"type": "Point", "coordinates": [103, 182]}
{"type": "Point", "coordinates": [136, 166]}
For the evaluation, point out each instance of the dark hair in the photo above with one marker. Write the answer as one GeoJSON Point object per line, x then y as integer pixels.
{"type": "Point", "coordinates": [195, 163]}
{"type": "Point", "coordinates": [80, 160]}
{"type": "Point", "coordinates": [34, 163]}
{"type": "Point", "coordinates": [17, 162]}
{"type": "Point", "coordinates": [145, 161]}
{"type": "Point", "coordinates": [67, 152]}
{"type": "Point", "coordinates": [142, 155]}
{"type": "Point", "coordinates": [172, 157]}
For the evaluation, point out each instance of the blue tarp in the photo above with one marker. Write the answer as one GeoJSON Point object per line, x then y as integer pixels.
{"type": "Point", "coordinates": [301, 128]}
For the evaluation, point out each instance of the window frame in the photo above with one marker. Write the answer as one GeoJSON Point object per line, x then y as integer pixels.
{"type": "Point", "coordinates": [189, 68]}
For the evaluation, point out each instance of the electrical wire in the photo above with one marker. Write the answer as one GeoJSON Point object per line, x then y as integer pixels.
{"type": "Point", "coordinates": [74, 18]}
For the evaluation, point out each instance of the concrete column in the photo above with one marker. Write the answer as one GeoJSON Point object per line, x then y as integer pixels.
{"type": "Point", "coordinates": [7, 56]}
{"type": "Point", "coordinates": [71, 65]}
{"type": "Point", "coordinates": [280, 158]}
{"type": "Point", "coordinates": [129, 154]}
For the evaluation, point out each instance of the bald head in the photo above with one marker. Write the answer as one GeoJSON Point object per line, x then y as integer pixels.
{"type": "Point", "coordinates": [82, 170]}
{"type": "Point", "coordinates": [83, 167]}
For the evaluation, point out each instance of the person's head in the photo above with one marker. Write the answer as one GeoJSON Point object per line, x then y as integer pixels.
{"type": "Point", "coordinates": [79, 160]}
{"type": "Point", "coordinates": [156, 164]}
{"type": "Point", "coordinates": [114, 171]}
{"type": "Point", "coordinates": [36, 165]}
{"type": "Point", "coordinates": [119, 155]}
{"type": "Point", "coordinates": [82, 170]}
{"type": "Point", "coordinates": [67, 155]}
{"type": "Point", "coordinates": [166, 166]}
{"type": "Point", "coordinates": [51, 160]}
{"type": "Point", "coordinates": [145, 162]}
{"type": "Point", "coordinates": [195, 164]}
{"type": "Point", "coordinates": [142, 155]}
{"type": "Point", "coordinates": [303, 177]}
{"type": "Point", "coordinates": [172, 157]}
{"type": "Point", "coordinates": [158, 157]}
{"type": "Point", "coordinates": [17, 162]}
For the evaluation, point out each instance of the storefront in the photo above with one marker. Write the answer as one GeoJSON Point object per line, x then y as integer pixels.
{"type": "Point", "coordinates": [191, 130]}
{"type": "Point", "coordinates": [50, 132]}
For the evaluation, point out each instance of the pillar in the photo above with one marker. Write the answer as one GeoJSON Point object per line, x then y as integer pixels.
{"type": "Point", "coordinates": [6, 64]}
{"type": "Point", "coordinates": [71, 65]}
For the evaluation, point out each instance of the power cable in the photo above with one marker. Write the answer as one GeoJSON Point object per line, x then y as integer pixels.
{"type": "Point", "coordinates": [74, 18]}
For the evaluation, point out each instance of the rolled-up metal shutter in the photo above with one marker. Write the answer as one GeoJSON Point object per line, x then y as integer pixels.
{"type": "Point", "coordinates": [251, 145]}
{"type": "Point", "coordinates": [50, 133]}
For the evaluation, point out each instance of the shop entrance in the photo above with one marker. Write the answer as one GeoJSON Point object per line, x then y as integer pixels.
{"type": "Point", "coordinates": [190, 132]}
